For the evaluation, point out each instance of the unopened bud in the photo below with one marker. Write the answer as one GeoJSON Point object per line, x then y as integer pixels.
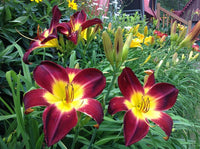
{"type": "Point", "coordinates": [190, 56]}
{"type": "Point", "coordinates": [174, 58]}
{"type": "Point", "coordinates": [107, 46]}
{"type": "Point", "coordinates": [162, 39]}
{"type": "Point", "coordinates": [77, 66]}
{"type": "Point", "coordinates": [109, 26]}
{"type": "Point", "coordinates": [182, 35]}
{"type": "Point", "coordinates": [145, 31]}
{"type": "Point", "coordinates": [191, 37]}
{"type": "Point", "coordinates": [118, 45]}
{"type": "Point", "coordinates": [167, 65]}
{"type": "Point", "coordinates": [126, 47]}
{"type": "Point", "coordinates": [183, 57]}
{"type": "Point", "coordinates": [173, 29]}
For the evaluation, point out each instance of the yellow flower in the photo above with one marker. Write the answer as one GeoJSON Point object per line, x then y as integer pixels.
{"type": "Point", "coordinates": [85, 32]}
{"type": "Point", "coordinates": [72, 5]}
{"type": "Point", "coordinates": [180, 27]}
{"type": "Point", "coordinates": [37, 1]}
{"type": "Point", "coordinates": [136, 42]}
{"type": "Point", "coordinates": [148, 40]}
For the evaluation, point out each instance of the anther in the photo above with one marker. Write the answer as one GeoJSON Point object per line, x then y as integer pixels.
{"type": "Point", "coordinates": [69, 92]}
{"type": "Point", "coordinates": [144, 106]}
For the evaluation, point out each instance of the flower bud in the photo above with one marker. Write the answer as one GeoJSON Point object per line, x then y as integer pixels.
{"type": "Point", "coordinates": [173, 29]}
{"type": "Point", "coordinates": [190, 56]}
{"type": "Point", "coordinates": [181, 35]}
{"type": "Point", "coordinates": [145, 31]}
{"type": "Point", "coordinates": [191, 37]}
{"type": "Point", "coordinates": [146, 60]}
{"type": "Point", "coordinates": [107, 46]}
{"type": "Point", "coordinates": [183, 57]}
{"type": "Point", "coordinates": [162, 39]}
{"type": "Point", "coordinates": [118, 45]}
{"type": "Point", "coordinates": [109, 26]}
{"type": "Point", "coordinates": [175, 58]}
{"type": "Point", "coordinates": [126, 47]}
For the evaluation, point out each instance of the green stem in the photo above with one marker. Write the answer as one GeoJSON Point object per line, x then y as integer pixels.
{"type": "Point", "coordinates": [76, 131]}
{"type": "Point", "coordinates": [93, 137]}
{"type": "Point", "coordinates": [111, 85]}
{"type": "Point", "coordinates": [164, 62]}
{"type": "Point", "coordinates": [75, 136]}
{"type": "Point", "coordinates": [116, 139]}
{"type": "Point", "coordinates": [43, 57]}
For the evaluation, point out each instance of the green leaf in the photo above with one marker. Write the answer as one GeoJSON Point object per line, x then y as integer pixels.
{"type": "Point", "coordinates": [21, 20]}
{"type": "Point", "coordinates": [5, 117]}
{"type": "Point", "coordinates": [107, 139]}
{"type": "Point", "coordinates": [40, 141]}
{"type": "Point", "coordinates": [8, 14]}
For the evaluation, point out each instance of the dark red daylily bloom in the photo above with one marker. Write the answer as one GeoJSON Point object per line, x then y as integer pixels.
{"type": "Point", "coordinates": [65, 91]}
{"type": "Point", "coordinates": [159, 34]}
{"type": "Point", "coordinates": [46, 39]}
{"type": "Point", "coordinates": [78, 22]}
{"type": "Point", "coordinates": [195, 47]}
{"type": "Point", "coordinates": [143, 103]}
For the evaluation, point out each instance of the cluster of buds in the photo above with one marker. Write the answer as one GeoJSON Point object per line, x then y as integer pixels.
{"type": "Point", "coordinates": [191, 57]}
{"type": "Point", "coordinates": [189, 40]}
{"type": "Point", "coordinates": [174, 36]}
{"type": "Point", "coordinates": [116, 54]}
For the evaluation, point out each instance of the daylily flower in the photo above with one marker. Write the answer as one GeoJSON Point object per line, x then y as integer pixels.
{"type": "Point", "coordinates": [195, 47]}
{"type": "Point", "coordinates": [143, 103]}
{"type": "Point", "coordinates": [78, 22]}
{"type": "Point", "coordinates": [46, 39]}
{"type": "Point", "coordinates": [63, 92]}
{"type": "Point", "coordinates": [136, 42]}
{"type": "Point", "coordinates": [159, 34]}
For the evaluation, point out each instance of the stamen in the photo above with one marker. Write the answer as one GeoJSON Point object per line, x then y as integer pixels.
{"type": "Point", "coordinates": [144, 106]}
{"type": "Point", "coordinates": [69, 92]}
{"type": "Point", "coordinates": [25, 36]}
{"type": "Point", "coordinates": [149, 124]}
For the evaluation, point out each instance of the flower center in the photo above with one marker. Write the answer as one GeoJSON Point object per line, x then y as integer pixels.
{"type": "Point", "coordinates": [144, 105]}
{"type": "Point", "coordinates": [69, 89]}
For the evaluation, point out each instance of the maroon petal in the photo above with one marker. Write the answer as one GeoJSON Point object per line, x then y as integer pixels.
{"type": "Point", "coordinates": [35, 98]}
{"type": "Point", "coordinates": [57, 123]}
{"type": "Point", "coordinates": [92, 82]}
{"type": "Point", "coordinates": [55, 18]}
{"type": "Point", "coordinates": [92, 108]}
{"type": "Point", "coordinates": [64, 28]}
{"type": "Point", "coordinates": [73, 37]}
{"type": "Point", "coordinates": [135, 129]}
{"type": "Point", "coordinates": [34, 45]}
{"type": "Point", "coordinates": [164, 95]}
{"type": "Point", "coordinates": [117, 104]}
{"type": "Point", "coordinates": [47, 73]}
{"type": "Point", "coordinates": [129, 83]}
{"type": "Point", "coordinates": [50, 37]}
{"type": "Point", "coordinates": [165, 122]}
{"type": "Point", "coordinates": [79, 17]}
{"type": "Point", "coordinates": [89, 23]}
